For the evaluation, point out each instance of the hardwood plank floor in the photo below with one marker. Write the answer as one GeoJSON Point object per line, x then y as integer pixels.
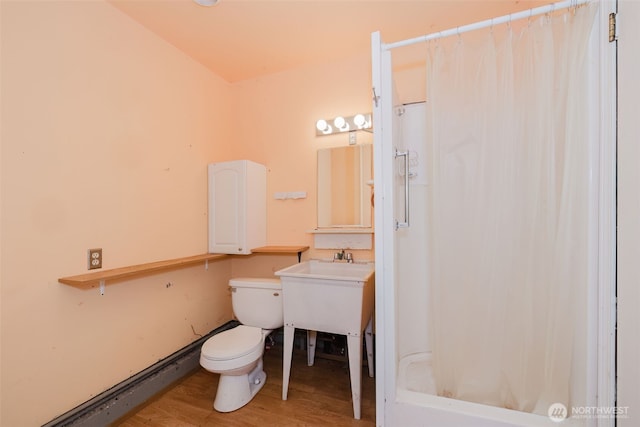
{"type": "Point", "coordinates": [319, 395]}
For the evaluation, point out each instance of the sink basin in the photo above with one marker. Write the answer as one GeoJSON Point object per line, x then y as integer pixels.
{"type": "Point", "coordinates": [330, 297]}
{"type": "Point", "coordinates": [318, 269]}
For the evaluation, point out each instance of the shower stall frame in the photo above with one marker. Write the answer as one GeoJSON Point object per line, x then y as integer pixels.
{"type": "Point", "coordinates": [398, 407]}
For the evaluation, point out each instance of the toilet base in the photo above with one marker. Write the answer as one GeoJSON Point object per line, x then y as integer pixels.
{"type": "Point", "coordinates": [235, 391]}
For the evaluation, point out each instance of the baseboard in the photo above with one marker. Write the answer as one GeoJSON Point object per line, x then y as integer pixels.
{"type": "Point", "coordinates": [116, 402]}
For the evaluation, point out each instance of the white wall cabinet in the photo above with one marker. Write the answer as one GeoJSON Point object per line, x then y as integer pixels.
{"type": "Point", "coordinates": [237, 207]}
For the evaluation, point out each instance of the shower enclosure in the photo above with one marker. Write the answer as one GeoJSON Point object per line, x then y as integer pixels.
{"type": "Point", "coordinates": [437, 338]}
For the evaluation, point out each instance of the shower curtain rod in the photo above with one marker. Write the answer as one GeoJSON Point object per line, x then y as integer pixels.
{"type": "Point", "coordinates": [488, 23]}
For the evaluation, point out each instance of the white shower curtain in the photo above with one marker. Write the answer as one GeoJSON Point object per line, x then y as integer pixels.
{"type": "Point", "coordinates": [508, 210]}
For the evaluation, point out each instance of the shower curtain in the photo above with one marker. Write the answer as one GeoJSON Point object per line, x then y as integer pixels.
{"type": "Point", "coordinates": [509, 154]}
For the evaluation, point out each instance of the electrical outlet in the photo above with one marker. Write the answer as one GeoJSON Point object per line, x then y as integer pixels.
{"type": "Point", "coordinates": [94, 258]}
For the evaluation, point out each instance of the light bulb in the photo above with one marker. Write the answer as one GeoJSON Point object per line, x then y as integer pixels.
{"type": "Point", "coordinates": [322, 125]}
{"type": "Point", "coordinates": [359, 120]}
{"type": "Point", "coordinates": [341, 123]}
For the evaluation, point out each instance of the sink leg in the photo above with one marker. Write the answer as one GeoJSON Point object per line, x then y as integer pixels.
{"type": "Point", "coordinates": [311, 347]}
{"type": "Point", "coordinates": [354, 347]}
{"type": "Point", "coordinates": [368, 340]}
{"type": "Point", "coordinates": [286, 358]}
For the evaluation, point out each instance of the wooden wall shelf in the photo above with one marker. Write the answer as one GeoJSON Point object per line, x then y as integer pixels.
{"type": "Point", "coordinates": [151, 267]}
{"type": "Point", "coordinates": [133, 270]}
{"type": "Point", "coordinates": [281, 250]}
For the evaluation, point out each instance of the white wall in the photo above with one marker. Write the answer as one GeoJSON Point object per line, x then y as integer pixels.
{"type": "Point", "coordinates": [413, 292]}
{"type": "Point", "coordinates": [629, 212]}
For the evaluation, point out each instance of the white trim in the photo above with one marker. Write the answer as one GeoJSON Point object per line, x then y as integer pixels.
{"type": "Point", "coordinates": [378, 224]}
{"type": "Point", "coordinates": [606, 378]}
{"type": "Point", "coordinates": [384, 237]}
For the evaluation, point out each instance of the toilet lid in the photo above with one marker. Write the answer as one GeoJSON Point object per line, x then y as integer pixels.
{"type": "Point", "coordinates": [233, 343]}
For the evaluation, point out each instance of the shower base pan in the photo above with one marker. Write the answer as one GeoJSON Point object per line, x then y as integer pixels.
{"type": "Point", "coordinates": [415, 373]}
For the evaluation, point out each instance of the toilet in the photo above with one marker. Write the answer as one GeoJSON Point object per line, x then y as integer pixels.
{"type": "Point", "coordinates": [236, 354]}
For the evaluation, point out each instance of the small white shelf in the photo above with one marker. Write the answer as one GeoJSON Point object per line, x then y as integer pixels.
{"type": "Point", "coordinates": [343, 238]}
{"type": "Point", "coordinates": [342, 230]}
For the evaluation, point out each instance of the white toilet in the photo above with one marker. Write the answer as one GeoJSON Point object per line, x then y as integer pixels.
{"type": "Point", "coordinates": [236, 354]}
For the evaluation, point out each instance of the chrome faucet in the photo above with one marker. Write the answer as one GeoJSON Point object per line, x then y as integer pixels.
{"type": "Point", "coordinates": [342, 256]}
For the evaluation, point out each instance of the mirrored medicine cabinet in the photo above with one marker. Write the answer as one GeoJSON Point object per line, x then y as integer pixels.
{"type": "Point", "coordinates": [345, 187]}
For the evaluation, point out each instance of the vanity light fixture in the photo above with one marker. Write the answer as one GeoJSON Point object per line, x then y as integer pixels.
{"type": "Point", "coordinates": [343, 124]}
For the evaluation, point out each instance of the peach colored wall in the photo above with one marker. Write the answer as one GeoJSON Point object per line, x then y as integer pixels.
{"type": "Point", "coordinates": [106, 134]}
{"type": "Point", "coordinates": [89, 93]}
{"type": "Point", "coordinates": [275, 125]}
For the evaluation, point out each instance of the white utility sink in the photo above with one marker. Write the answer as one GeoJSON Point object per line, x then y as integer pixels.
{"type": "Point", "coordinates": [332, 270]}
{"type": "Point", "coordinates": [334, 297]}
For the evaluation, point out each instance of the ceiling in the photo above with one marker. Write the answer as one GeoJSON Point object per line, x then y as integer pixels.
{"type": "Point", "coordinates": [246, 39]}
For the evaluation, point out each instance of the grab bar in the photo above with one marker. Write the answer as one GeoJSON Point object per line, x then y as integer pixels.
{"type": "Point", "coordinates": [405, 223]}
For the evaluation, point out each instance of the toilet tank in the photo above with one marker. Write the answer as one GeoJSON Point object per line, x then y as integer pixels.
{"type": "Point", "coordinates": [257, 302]}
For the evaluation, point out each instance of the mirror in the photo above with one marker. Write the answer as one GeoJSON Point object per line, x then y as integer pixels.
{"type": "Point", "coordinates": [345, 178]}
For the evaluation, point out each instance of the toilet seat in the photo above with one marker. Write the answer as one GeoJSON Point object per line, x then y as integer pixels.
{"type": "Point", "coordinates": [233, 343]}
{"type": "Point", "coordinates": [232, 348]}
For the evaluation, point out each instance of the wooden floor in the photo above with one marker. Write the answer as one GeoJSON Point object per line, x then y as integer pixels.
{"type": "Point", "coordinates": [319, 395]}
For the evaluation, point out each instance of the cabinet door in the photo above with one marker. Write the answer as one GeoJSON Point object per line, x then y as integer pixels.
{"type": "Point", "coordinates": [227, 198]}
